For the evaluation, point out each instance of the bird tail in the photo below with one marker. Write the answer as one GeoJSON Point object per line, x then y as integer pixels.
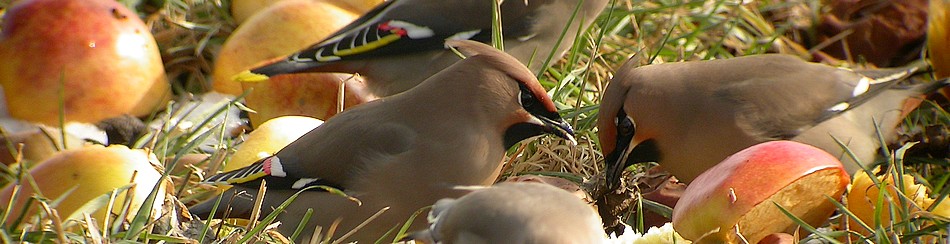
{"type": "Point", "coordinates": [890, 80]}
{"type": "Point", "coordinates": [259, 169]}
{"type": "Point", "coordinates": [237, 199]}
{"type": "Point", "coordinates": [929, 87]}
{"type": "Point", "coordinates": [896, 73]}
{"type": "Point", "coordinates": [280, 67]}
{"type": "Point", "coordinates": [923, 90]}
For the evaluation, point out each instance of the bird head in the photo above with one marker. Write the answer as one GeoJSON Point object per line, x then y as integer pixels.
{"type": "Point", "coordinates": [616, 131]}
{"type": "Point", "coordinates": [535, 113]}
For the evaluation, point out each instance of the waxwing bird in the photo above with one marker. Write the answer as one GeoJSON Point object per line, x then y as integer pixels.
{"type": "Point", "coordinates": [689, 116]}
{"type": "Point", "coordinates": [405, 151]}
{"type": "Point", "coordinates": [399, 44]}
{"type": "Point", "coordinates": [513, 212]}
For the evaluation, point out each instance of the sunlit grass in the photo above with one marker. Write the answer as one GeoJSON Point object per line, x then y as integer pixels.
{"type": "Point", "coordinates": [190, 32]}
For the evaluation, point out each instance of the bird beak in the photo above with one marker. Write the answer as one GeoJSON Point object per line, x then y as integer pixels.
{"type": "Point", "coordinates": [616, 160]}
{"type": "Point", "coordinates": [622, 156]}
{"type": "Point", "coordinates": [615, 165]}
{"type": "Point", "coordinates": [559, 128]}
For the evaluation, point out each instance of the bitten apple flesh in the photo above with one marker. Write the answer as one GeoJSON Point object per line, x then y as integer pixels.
{"type": "Point", "coordinates": [739, 194]}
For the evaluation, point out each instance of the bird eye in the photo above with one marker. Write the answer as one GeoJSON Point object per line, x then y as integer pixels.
{"type": "Point", "coordinates": [625, 126]}
{"type": "Point", "coordinates": [527, 99]}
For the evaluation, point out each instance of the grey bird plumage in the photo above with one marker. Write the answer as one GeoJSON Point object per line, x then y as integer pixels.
{"type": "Point", "coordinates": [404, 151]}
{"type": "Point", "coordinates": [689, 116]}
{"type": "Point", "coordinates": [513, 212]}
{"type": "Point", "coordinates": [399, 43]}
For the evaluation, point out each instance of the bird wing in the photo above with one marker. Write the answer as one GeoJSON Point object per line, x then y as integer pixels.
{"type": "Point", "coordinates": [408, 26]}
{"type": "Point", "coordinates": [331, 155]}
{"type": "Point", "coordinates": [871, 84]}
{"type": "Point", "coordinates": [788, 95]}
{"type": "Point", "coordinates": [396, 27]}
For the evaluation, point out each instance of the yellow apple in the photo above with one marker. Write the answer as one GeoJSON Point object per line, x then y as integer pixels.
{"type": "Point", "coordinates": [863, 197]}
{"type": "Point", "coordinates": [187, 162]}
{"type": "Point", "coordinates": [277, 31]}
{"type": "Point", "coordinates": [242, 10]}
{"type": "Point", "coordinates": [938, 37]}
{"type": "Point", "coordinates": [270, 137]}
{"type": "Point", "coordinates": [89, 173]}
{"type": "Point", "coordinates": [95, 57]}
{"type": "Point", "coordinates": [740, 193]}
{"type": "Point", "coordinates": [314, 95]}
{"type": "Point", "coordinates": [39, 144]}
{"type": "Point", "coordinates": [358, 6]}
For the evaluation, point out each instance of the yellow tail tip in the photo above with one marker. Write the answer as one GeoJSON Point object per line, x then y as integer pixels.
{"type": "Point", "coordinates": [248, 76]}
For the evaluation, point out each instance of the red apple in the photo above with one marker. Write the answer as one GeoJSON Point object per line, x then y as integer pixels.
{"type": "Point", "coordinates": [737, 195]}
{"type": "Point", "coordinates": [97, 52]}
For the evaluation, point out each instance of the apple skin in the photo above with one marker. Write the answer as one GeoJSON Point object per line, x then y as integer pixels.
{"type": "Point", "coordinates": [94, 171]}
{"type": "Point", "coordinates": [938, 38]}
{"type": "Point", "coordinates": [725, 194]}
{"type": "Point", "coordinates": [270, 137]}
{"type": "Point", "coordinates": [358, 6]}
{"type": "Point", "coordinates": [278, 31]}
{"type": "Point", "coordinates": [312, 94]}
{"type": "Point", "coordinates": [39, 144]}
{"type": "Point", "coordinates": [242, 10]}
{"type": "Point", "coordinates": [779, 238]}
{"type": "Point", "coordinates": [101, 51]}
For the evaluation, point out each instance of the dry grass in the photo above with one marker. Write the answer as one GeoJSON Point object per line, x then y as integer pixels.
{"type": "Point", "coordinates": [190, 32]}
